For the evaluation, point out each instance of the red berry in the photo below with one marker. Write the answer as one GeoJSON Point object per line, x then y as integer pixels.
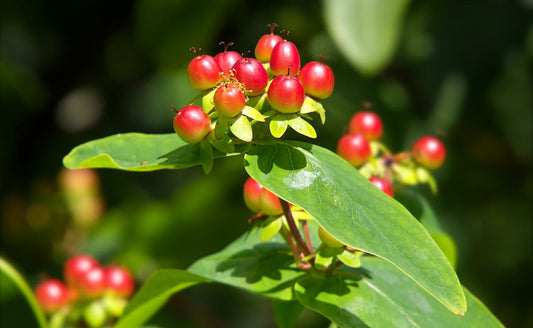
{"type": "Point", "coordinates": [204, 72]}
{"type": "Point", "coordinates": [119, 281]}
{"type": "Point", "coordinates": [368, 124]}
{"type": "Point", "coordinates": [354, 148]}
{"type": "Point", "coordinates": [382, 185]}
{"type": "Point", "coordinates": [429, 152]}
{"type": "Point", "coordinates": [229, 100]}
{"type": "Point", "coordinates": [285, 57]}
{"type": "Point", "coordinates": [252, 74]}
{"type": "Point", "coordinates": [251, 192]}
{"type": "Point", "coordinates": [286, 94]}
{"type": "Point", "coordinates": [263, 49]}
{"type": "Point", "coordinates": [317, 79]}
{"type": "Point", "coordinates": [269, 203]}
{"type": "Point", "coordinates": [52, 295]}
{"type": "Point", "coordinates": [192, 124]}
{"type": "Point", "coordinates": [227, 59]}
{"type": "Point", "coordinates": [77, 266]}
{"type": "Point", "coordinates": [92, 283]}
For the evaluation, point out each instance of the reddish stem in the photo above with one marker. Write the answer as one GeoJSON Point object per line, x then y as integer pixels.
{"type": "Point", "coordinates": [293, 229]}
{"type": "Point", "coordinates": [307, 236]}
{"type": "Point", "coordinates": [258, 216]}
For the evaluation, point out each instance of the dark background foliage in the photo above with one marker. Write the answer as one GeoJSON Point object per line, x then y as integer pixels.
{"type": "Point", "coordinates": [71, 71]}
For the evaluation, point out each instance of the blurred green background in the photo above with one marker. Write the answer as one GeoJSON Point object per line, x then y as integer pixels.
{"type": "Point", "coordinates": [72, 71]}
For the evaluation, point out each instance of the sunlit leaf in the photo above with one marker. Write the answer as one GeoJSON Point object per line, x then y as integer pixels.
{"type": "Point", "coordinates": [242, 129]}
{"type": "Point", "coordinates": [302, 127]}
{"type": "Point", "coordinates": [352, 210]}
{"type": "Point", "coordinates": [136, 152]}
{"type": "Point", "coordinates": [253, 113]}
{"type": "Point", "coordinates": [378, 295]}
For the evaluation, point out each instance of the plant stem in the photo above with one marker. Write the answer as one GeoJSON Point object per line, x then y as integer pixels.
{"type": "Point", "coordinates": [307, 236]}
{"type": "Point", "coordinates": [258, 216]}
{"type": "Point", "coordinates": [295, 251]}
{"type": "Point", "coordinates": [293, 229]}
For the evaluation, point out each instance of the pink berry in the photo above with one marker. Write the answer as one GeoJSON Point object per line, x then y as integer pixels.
{"type": "Point", "coordinates": [286, 94]}
{"type": "Point", "coordinates": [317, 80]}
{"type": "Point", "coordinates": [429, 152]}
{"type": "Point", "coordinates": [263, 49]}
{"type": "Point", "coordinates": [285, 58]}
{"type": "Point", "coordinates": [382, 185]}
{"type": "Point", "coordinates": [192, 124]}
{"type": "Point", "coordinates": [269, 203]}
{"type": "Point", "coordinates": [368, 124]}
{"type": "Point", "coordinates": [229, 100]}
{"type": "Point", "coordinates": [52, 295]}
{"type": "Point", "coordinates": [77, 266]}
{"type": "Point", "coordinates": [251, 191]}
{"type": "Point", "coordinates": [204, 72]}
{"type": "Point", "coordinates": [227, 59]}
{"type": "Point", "coordinates": [252, 74]}
{"type": "Point", "coordinates": [92, 284]}
{"type": "Point", "coordinates": [119, 281]}
{"type": "Point", "coordinates": [354, 148]}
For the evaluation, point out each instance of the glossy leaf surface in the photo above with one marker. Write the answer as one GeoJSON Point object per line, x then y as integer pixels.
{"type": "Point", "coordinates": [378, 295]}
{"type": "Point", "coordinates": [136, 152]}
{"type": "Point", "coordinates": [352, 210]}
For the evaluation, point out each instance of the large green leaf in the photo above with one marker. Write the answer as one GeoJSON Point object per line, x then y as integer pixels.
{"type": "Point", "coordinates": [355, 212]}
{"type": "Point", "coordinates": [378, 295]}
{"type": "Point", "coordinates": [263, 268]}
{"type": "Point", "coordinates": [366, 32]}
{"type": "Point", "coordinates": [154, 294]}
{"type": "Point", "coordinates": [136, 152]}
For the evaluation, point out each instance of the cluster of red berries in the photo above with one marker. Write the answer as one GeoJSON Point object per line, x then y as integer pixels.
{"type": "Point", "coordinates": [360, 148]}
{"type": "Point", "coordinates": [234, 89]}
{"type": "Point", "coordinates": [92, 293]}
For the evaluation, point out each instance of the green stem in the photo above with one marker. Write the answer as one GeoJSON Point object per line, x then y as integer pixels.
{"type": "Point", "coordinates": [293, 229]}
{"type": "Point", "coordinates": [12, 274]}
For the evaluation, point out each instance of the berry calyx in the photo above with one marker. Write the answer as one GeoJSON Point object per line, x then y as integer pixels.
{"type": "Point", "coordinates": [286, 94]}
{"type": "Point", "coordinates": [192, 124]}
{"type": "Point", "coordinates": [263, 48]}
{"type": "Point", "coordinates": [76, 266]}
{"type": "Point", "coordinates": [229, 100]}
{"type": "Point", "coordinates": [118, 280]}
{"type": "Point", "coordinates": [328, 239]}
{"type": "Point", "coordinates": [92, 284]}
{"type": "Point", "coordinates": [317, 79]}
{"type": "Point", "coordinates": [52, 295]}
{"type": "Point", "coordinates": [252, 74]}
{"type": "Point", "coordinates": [269, 203]}
{"type": "Point", "coordinates": [429, 152]}
{"type": "Point", "coordinates": [285, 56]}
{"type": "Point", "coordinates": [227, 59]}
{"type": "Point", "coordinates": [203, 72]}
{"type": "Point", "coordinates": [368, 124]}
{"type": "Point", "coordinates": [251, 192]}
{"type": "Point", "coordinates": [382, 184]}
{"type": "Point", "coordinates": [354, 148]}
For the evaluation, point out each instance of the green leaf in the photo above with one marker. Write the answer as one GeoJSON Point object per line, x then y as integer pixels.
{"type": "Point", "coordinates": [153, 295]}
{"type": "Point", "coordinates": [424, 176]}
{"type": "Point", "coordinates": [265, 268]}
{"type": "Point", "coordinates": [253, 113]}
{"type": "Point", "coordinates": [257, 101]}
{"type": "Point", "coordinates": [378, 295]}
{"type": "Point", "coordinates": [242, 129]}
{"type": "Point", "coordinates": [351, 259]}
{"type": "Point", "coordinates": [206, 156]}
{"type": "Point", "coordinates": [271, 227]}
{"type": "Point", "coordinates": [278, 126]}
{"type": "Point", "coordinates": [9, 272]}
{"type": "Point", "coordinates": [352, 210]}
{"type": "Point", "coordinates": [325, 257]}
{"type": "Point", "coordinates": [136, 152]}
{"type": "Point", "coordinates": [366, 32]}
{"type": "Point", "coordinates": [422, 210]}
{"type": "Point", "coordinates": [286, 313]}
{"type": "Point", "coordinates": [208, 101]}
{"type": "Point", "coordinates": [302, 127]}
